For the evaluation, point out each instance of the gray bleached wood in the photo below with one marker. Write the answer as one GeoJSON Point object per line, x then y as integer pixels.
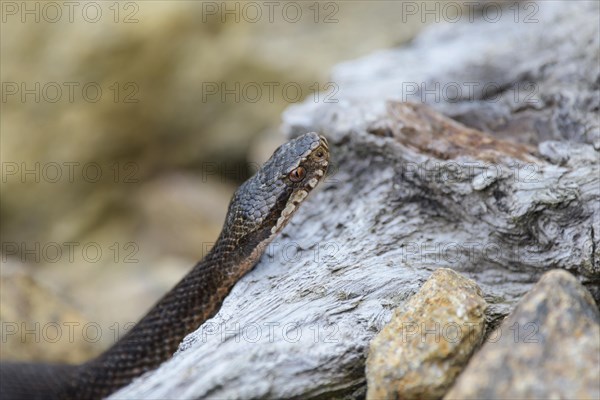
{"type": "Point", "coordinates": [411, 192]}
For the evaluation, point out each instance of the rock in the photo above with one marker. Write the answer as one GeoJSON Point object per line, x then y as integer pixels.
{"type": "Point", "coordinates": [428, 341]}
{"type": "Point", "coordinates": [54, 330]}
{"type": "Point", "coordinates": [547, 348]}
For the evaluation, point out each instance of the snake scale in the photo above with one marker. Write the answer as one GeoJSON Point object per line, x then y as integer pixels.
{"type": "Point", "coordinates": [258, 211]}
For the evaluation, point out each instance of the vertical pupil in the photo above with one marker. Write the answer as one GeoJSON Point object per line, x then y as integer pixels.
{"type": "Point", "coordinates": [297, 174]}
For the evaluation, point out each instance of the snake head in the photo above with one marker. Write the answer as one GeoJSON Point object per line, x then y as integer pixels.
{"type": "Point", "coordinates": [263, 205]}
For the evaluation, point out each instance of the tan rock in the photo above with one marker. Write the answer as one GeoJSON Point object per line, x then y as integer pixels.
{"type": "Point", "coordinates": [548, 348]}
{"type": "Point", "coordinates": [428, 341]}
{"type": "Point", "coordinates": [53, 329]}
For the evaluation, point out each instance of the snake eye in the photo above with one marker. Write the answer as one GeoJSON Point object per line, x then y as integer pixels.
{"type": "Point", "coordinates": [297, 174]}
{"type": "Point", "coordinates": [320, 154]}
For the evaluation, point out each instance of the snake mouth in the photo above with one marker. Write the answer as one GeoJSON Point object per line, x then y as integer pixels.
{"type": "Point", "coordinates": [316, 162]}
{"type": "Point", "coordinates": [324, 142]}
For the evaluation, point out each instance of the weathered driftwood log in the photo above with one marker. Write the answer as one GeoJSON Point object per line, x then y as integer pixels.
{"type": "Point", "coordinates": [411, 191]}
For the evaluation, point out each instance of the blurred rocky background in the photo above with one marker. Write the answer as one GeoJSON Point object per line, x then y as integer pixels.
{"type": "Point", "coordinates": [125, 129]}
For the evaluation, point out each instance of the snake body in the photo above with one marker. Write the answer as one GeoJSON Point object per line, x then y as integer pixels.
{"type": "Point", "coordinates": [258, 211]}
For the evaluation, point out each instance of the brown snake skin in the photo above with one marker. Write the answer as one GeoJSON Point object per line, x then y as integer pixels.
{"type": "Point", "coordinates": [259, 209]}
